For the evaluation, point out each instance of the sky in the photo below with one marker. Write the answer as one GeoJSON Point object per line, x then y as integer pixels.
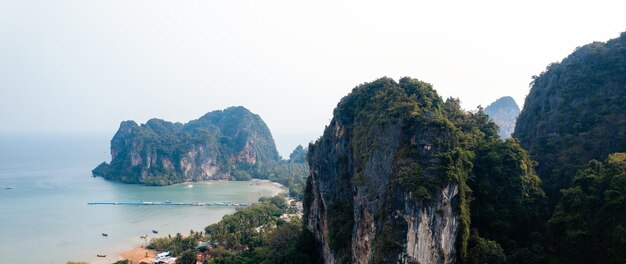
{"type": "Point", "coordinates": [83, 66]}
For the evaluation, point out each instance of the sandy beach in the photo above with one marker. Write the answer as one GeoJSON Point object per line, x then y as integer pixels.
{"type": "Point", "coordinates": [136, 255]}
{"type": "Point", "coordinates": [257, 182]}
{"type": "Point", "coordinates": [283, 189]}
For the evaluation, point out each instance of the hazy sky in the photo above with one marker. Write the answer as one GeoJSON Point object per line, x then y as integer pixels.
{"type": "Point", "coordinates": [83, 66]}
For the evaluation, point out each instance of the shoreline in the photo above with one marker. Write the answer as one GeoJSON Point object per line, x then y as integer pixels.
{"type": "Point", "coordinates": [283, 188]}
{"type": "Point", "coordinates": [137, 254]}
{"type": "Point", "coordinates": [136, 251]}
{"type": "Point", "coordinates": [260, 182]}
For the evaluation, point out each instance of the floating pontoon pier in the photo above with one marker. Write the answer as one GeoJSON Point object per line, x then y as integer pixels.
{"type": "Point", "coordinates": [172, 203]}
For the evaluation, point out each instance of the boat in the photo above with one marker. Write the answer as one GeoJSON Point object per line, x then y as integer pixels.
{"type": "Point", "coordinates": [155, 231]}
{"type": "Point", "coordinates": [8, 187]}
{"type": "Point", "coordinates": [105, 234]}
{"type": "Point", "coordinates": [144, 236]}
{"type": "Point", "coordinates": [168, 201]}
{"type": "Point", "coordinates": [101, 256]}
{"type": "Point", "coordinates": [190, 186]}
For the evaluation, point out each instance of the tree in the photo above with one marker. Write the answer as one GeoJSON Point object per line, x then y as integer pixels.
{"type": "Point", "coordinates": [506, 192]}
{"type": "Point", "coordinates": [287, 244]}
{"type": "Point", "coordinates": [482, 250]}
{"type": "Point", "coordinates": [188, 257]}
{"type": "Point", "coordinates": [276, 200]}
{"type": "Point", "coordinates": [239, 230]}
{"type": "Point", "coordinates": [589, 224]}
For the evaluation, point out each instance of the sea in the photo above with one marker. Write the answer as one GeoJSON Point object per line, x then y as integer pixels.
{"type": "Point", "coordinates": [46, 184]}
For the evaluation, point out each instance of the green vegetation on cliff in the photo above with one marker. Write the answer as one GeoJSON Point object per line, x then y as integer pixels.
{"type": "Point", "coordinates": [389, 141]}
{"type": "Point", "coordinates": [229, 144]}
{"type": "Point", "coordinates": [573, 116]}
{"type": "Point", "coordinates": [589, 224]}
{"type": "Point", "coordinates": [482, 251]}
{"type": "Point", "coordinates": [220, 145]}
{"type": "Point", "coordinates": [575, 112]}
{"type": "Point", "coordinates": [507, 197]}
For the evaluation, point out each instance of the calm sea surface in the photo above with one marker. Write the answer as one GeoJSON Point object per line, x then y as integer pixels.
{"type": "Point", "coordinates": [45, 217]}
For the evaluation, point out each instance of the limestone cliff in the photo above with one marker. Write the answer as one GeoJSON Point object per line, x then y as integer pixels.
{"type": "Point", "coordinates": [387, 179]}
{"type": "Point", "coordinates": [220, 145]}
{"type": "Point", "coordinates": [575, 112]}
{"type": "Point", "coordinates": [503, 112]}
{"type": "Point", "coordinates": [390, 180]}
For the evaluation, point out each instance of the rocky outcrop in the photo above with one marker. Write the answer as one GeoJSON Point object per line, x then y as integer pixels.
{"type": "Point", "coordinates": [503, 112]}
{"type": "Point", "coordinates": [298, 155]}
{"type": "Point", "coordinates": [220, 145]}
{"type": "Point", "coordinates": [390, 181]}
{"type": "Point", "coordinates": [431, 237]}
{"type": "Point", "coordinates": [387, 179]}
{"type": "Point", "coordinates": [575, 112]}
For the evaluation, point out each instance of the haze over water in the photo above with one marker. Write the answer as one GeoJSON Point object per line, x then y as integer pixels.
{"type": "Point", "coordinates": [45, 217]}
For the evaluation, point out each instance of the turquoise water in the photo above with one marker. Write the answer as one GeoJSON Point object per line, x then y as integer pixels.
{"type": "Point", "coordinates": [45, 217]}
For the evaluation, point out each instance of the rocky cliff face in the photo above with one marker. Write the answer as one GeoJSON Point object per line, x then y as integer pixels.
{"type": "Point", "coordinates": [503, 112]}
{"type": "Point", "coordinates": [575, 112]}
{"type": "Point", "coordinates": [220, 145]}
{"type": "Point", "coordinates": [387, 179]}
{"type": "Point", "coordinates": [390, 181]}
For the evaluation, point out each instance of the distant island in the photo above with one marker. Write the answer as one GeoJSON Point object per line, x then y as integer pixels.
{"type": "Point", "coordinates": [229, 144]}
